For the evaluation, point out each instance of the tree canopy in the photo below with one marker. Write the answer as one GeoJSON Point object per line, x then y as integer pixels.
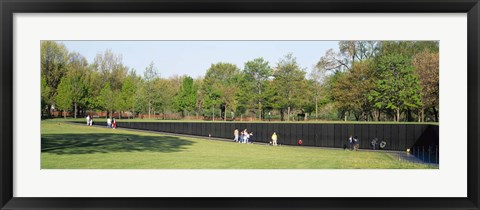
{"type": "Point", "coordinates": [360, 80]}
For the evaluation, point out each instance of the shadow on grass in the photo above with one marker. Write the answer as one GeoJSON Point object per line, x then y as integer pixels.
{"type": "Point", "coordinates": [107, 142]}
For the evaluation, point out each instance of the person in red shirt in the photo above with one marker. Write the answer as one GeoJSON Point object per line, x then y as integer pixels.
{"type": "Point", "coordinates": [114, 124]}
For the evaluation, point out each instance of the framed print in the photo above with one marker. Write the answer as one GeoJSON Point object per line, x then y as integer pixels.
{"type": "Point", "coordinates": [239, 105]}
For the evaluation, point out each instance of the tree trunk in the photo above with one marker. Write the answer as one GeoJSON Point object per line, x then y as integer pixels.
{"type": "Point", "coordinates": [149, 110]}
{"type": "Point", "coordinates": [288, 114]}
{"type": "Point", "coordinates": [282, 118]}
{"type": "Point", "coordinates": [423, 115]}
{"type": "Point", "coordinates": [75, 114]}
{"type": "Point", "coordinates": [316, 107]}
{"type": "Point", "coordinates": [374, 115]}
{"type": "Point", "coordinates": [409, 115]}
{"type": "Point", "coordinates": [225, 113]}
{"type": "Point", "coordinates": [435, 112]}
{"type": "Point", "coordinates": [398, 115]}
{"type": "Point", "coordinates": [64, 114]}
{"type": "Point", "coordinates": [49, 109]}
{"type": "Point", "coordinates": [419, 115]}
{"type": "Point", "coordinates": [260, 109]}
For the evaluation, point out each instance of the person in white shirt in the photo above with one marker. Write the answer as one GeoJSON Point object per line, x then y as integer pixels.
{"type": "Point", "coordinates": [88, 120]}
{"type": "Point", "coordinates": [109, 122]}
{"type": "Point", "coordinates": [246, 136]}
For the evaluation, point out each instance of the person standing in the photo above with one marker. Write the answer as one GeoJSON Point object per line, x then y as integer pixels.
{"type": "Point", "coordinates": [274, 139]}
{"type": "Point", "coordinates": [88, 120]}
{"type": "Point", "coordinates": [250, 138]}
{"type": "Point", "coordinates": [356, 143]}
{"type": "Point", "coordinates": [240, 137]}
{"type": "Point", "coordinates": [114, 124]}
{"type": "Point", "coordinates": [109, 122]}
{"type": "Point", "coordinates": [350, 142]}
{"type": "Point", "coordinates": [235, 134]}
{"type": "Point", "coordinates": [245, 136]}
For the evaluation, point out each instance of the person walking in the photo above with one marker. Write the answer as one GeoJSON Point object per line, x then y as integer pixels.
{"type": "Point", "coordinates": [274, 139]}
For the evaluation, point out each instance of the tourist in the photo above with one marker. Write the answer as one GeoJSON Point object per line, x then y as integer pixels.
{"type": "Point", "coordinates": [274, 139]}
{"type": "Point", "coordinates": [350, 142]}
{"type": "Point", "coordinates": [374, 143]}
{"type": "Point", "coordinates": [88, 120]}
{"type": "Point", "coordinates": [109, 122]}
{"type": "Point", "coordinates": [250, 138]}
{"type": "Point", "coordinates": [356, 143]}
{"type": "Point", "coordinates": [240, 139]}
{"type": "Point", "coordinates": [114, 124]}
{"type": "Point", "coordinates": [245, 136]}
{"type": "Point", "coordinates": [235, 134]}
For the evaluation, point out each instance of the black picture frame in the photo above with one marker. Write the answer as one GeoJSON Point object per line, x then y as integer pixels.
{"type": "Point", "coordinates": [10, 7]}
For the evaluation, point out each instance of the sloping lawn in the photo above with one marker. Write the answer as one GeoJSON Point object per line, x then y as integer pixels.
{"type": "Point", "coordinates": [70, 146]}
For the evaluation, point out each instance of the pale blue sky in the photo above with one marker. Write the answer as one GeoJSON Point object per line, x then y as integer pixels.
{"type": "Point", "coordinates": [195, 57]}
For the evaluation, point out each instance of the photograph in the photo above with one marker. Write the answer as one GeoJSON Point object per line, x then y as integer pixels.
{"type": "Point", "coordinates": [240, 104]}
{"type": "Point", "coordinates": [201, 104]}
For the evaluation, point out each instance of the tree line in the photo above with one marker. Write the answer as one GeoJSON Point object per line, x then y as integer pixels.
{"type": "Point", "coordinates": [361, 80]}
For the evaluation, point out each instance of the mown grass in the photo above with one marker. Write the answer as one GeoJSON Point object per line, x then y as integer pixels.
{"type": "Point", "coordinates": [70, 146]}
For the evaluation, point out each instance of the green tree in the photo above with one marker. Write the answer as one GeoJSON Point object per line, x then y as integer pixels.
{"type": "Point", "coordinates": [397, 87]}
{"type": "Point", "coordinates": [45, 91]}
{"type": "Point", "coordinates": [352, 89]}
{"type": "Point", "coordinates": [64, 98]}
{"type": "Point", "coordinates": [111, 70]}
{"type": "Point", "coordinates": [426, 66]}
{"type": "Point", "coordinates": [220, 88]}
{"type": "Point", "coordinates": [163, 95]}
{"type": "Point", "coordinates": [318, 76]}
{"type": "Point", "coordinates": [107, 98]}
{"type": "Point", "coordinates": [186, 99]}
{"type": "Point", "coordinates": [128, 93]}
{"type": "Point", "coordinates": [256, 74]}
{"type": "Point", "coordinates": [148, 92]}
{"type": "Point", "coordinates": [54, 60]}
{"type": "Point", "coordinates": [77, 72]}
{"type": "Point", "coordinates": [289, 83]}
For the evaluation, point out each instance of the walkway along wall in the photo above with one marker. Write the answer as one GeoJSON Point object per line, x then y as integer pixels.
{"type": "Point", "coordinates": [398, 136]}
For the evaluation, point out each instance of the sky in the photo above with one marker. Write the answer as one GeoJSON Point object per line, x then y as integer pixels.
{"type": "Point", "coordinates": [193, 58]}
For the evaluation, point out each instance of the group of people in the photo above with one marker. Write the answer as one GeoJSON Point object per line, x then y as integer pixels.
{"type": "Point", "coordinates": [247, 137]}
{"type": "Point", "coordinates": [111, 123]}
{"type": "Point", "coordinates": [89, 120]}
{"type": "Point", "coordinates": [353, 143]}
{"type": "Point", "coordinates": [242, 136]}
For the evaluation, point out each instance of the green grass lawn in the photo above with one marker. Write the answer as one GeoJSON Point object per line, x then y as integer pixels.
{"type": "Point", "coordinates": [69, 146]}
